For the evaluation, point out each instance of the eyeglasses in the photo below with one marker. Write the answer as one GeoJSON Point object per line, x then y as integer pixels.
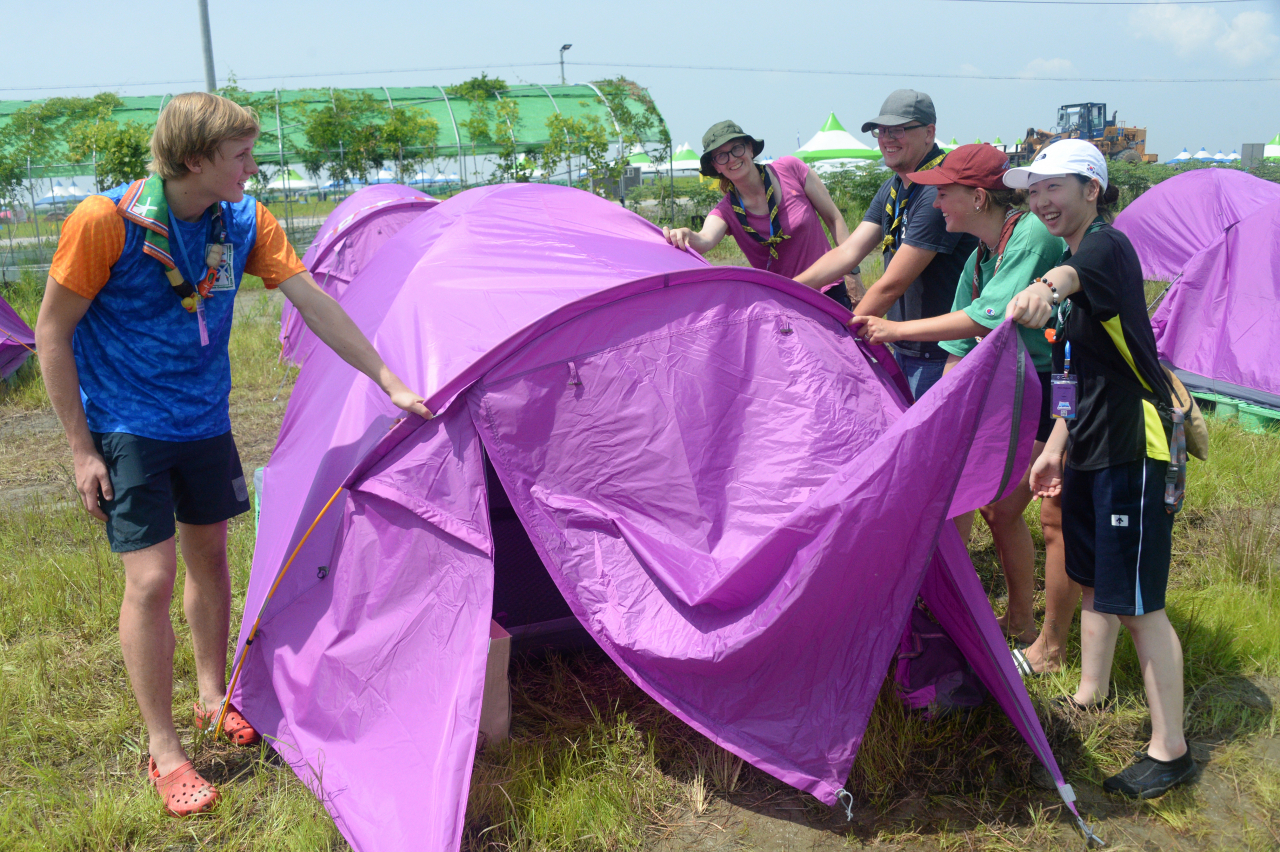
{"type": "Point", "coordinates": [892, 132]}
{"type": "Point", "coordinates": [736, 151]}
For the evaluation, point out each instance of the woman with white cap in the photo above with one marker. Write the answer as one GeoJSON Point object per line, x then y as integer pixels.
{"type": "Point", "coordinates": [775, 212]}
{"type": "Point", "coordinates": [1013, 249]}
{"type": "Point", "coordinates": [1119, 489]}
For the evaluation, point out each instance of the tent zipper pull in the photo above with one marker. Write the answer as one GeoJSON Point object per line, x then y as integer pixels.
{"type": "Point", "coordinates": [574, 378]}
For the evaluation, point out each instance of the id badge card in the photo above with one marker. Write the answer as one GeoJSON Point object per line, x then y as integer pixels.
{"type": "Point", "coordinates": [225, 282]}
{"type": "Point", "coordinates": [1062, 398]}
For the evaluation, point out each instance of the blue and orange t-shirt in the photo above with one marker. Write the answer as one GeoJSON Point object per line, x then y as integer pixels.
{"type": "Point", "coordinates": [142, 368]}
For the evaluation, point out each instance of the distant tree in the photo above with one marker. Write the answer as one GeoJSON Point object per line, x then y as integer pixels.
{"type": "Point", "coordinates": [584, 137]}
{"type": "Point", "coordinates": [409, 137]}
{"type": "Point", "coordinates": [514, 165]}
{"type": "Point", "coordinates": [343, 137]}
{"type": "Point", "coordinates": [480, 88]}
{"type": "Point", "coordinates": [121, 152]}
{"type": "Point", "coordinates": [635, 125]}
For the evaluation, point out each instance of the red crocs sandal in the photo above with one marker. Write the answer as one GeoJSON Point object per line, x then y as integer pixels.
{"type": "Point", "coordinates": [235, 726]}
{"type": "Point", "coordinates": [183, 791]}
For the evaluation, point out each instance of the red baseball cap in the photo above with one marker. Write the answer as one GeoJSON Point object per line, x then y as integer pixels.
{"type": "Point", "coordinates": [978, 165]}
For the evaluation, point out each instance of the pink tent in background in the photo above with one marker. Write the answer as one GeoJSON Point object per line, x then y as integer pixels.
{"type": "Point", "coordinates": [1215, 234]}
{"type": "Point", "coordinates": [350, 235]}
{"type": "Point", "coordinates": [17, 341]}
{"type": "Point", "coordinates": [727, 488]}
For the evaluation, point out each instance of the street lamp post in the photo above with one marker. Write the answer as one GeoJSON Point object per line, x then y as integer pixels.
{"type": "Point", "coordinates": [562, 50]}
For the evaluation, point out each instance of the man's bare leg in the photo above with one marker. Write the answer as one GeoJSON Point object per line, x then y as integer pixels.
{"type": "Point", "coordinates": [206, 599]}
{"type": "Point", "coordinates": [146, 641]}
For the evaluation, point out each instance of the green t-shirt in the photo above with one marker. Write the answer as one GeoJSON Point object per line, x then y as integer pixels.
{"type": "Point", "coordinates": [1031, 252]}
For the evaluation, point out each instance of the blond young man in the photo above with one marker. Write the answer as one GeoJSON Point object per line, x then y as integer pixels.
{"type": "Point", "coordinates": [133, 337]}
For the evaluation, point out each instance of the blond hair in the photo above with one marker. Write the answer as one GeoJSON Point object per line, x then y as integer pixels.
{"type": "Point", "coordinates": [192, 126]}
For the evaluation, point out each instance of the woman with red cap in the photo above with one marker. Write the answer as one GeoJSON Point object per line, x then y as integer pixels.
{"type": "Point", "coordinates": [1014, 249]}
{"type": "Point", "coordinates": [775, 212]}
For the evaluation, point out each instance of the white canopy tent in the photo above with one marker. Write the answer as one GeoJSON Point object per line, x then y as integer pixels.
{"type": "Point", "coordinates": [290, 181]}
{"type": "Point", "coordinates": [1272, 149]}
{"type": "Point", "coordinates": [833, 147]}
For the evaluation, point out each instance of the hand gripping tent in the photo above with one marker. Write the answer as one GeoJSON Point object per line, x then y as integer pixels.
{"type": "Point", "coordinates": [727, 488]}
{"type": "Point", "coordinates": [350, 235]}
{"type": "Point", "coordinates": [1215, 234]}
{"type": "Point", "coordinates": [17, 341]}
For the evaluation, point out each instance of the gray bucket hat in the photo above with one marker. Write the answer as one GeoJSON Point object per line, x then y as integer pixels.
{"type": "Point", "coordinates": [717, 136]}
{"type": "Point", "coordinates": [903, 107]}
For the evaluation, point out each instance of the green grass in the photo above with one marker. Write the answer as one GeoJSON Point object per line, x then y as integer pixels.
{"type": "Point", "coordinates": [593, 762]}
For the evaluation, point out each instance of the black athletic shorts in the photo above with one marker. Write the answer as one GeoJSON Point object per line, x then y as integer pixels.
{"type": "Point", "coordinates": [198, 482]}
{"type": "Point", "coordinates": [1045, 427]}
{"type": "Point", "coordinates": [1118, 535]}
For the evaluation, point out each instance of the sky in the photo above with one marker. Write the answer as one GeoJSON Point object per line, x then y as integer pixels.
{"type": "Point", "coordinates": [992, 67]}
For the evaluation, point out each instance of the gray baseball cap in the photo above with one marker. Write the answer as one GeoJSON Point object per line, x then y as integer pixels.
{"type": "Point", "coordinates": [903, 107]}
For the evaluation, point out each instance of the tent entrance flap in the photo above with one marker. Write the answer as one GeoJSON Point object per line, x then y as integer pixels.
{"type": "Point", "coordinates": [526, 602]}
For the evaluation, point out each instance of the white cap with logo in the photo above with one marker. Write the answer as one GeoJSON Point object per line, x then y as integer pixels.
{"type": "Point", "coordinates": [1064, 157]}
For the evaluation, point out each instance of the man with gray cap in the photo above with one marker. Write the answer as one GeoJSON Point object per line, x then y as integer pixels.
{"type": "Point", "coordinates": [922, 261]}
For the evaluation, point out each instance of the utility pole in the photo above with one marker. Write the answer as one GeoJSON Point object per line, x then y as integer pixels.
{"type": "Point", "coordinates": [562, 50]}
{"type": "Point", "coordinates": [210, 81]}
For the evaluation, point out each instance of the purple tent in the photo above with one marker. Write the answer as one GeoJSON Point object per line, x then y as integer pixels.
{"type": "Point", "coordinates": [350, 235]}
{"type": "Point", "coordinates": [726, 487]}
{"type": "Point", "coordinates": [1215, 233]}
{"type": "Point", "coordinates": [16, 340]}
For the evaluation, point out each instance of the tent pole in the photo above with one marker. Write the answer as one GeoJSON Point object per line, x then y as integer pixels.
{"type": "Point", "coordinates": [235, 673]}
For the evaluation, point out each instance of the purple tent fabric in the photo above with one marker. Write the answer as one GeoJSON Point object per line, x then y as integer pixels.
{"type": "Point", "coordinates": [1215, 234]}
{"type": "Point", "coordinates": [1217, 324]}
{"type": "Point", "coordinates": [1169, 223]}
{"type": "Point", "coordinates": [350, 235]}
{"type": "Point", "coordinates": [727, 488]}
{"type": "Point", "coordinates": [17, 341]}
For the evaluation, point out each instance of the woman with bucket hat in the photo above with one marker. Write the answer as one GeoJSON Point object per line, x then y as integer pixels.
{"type": "Point", "coordinates": [1124, 479]}
{"type": "Point", "coordinates": [1014, 248]}
{"type": "Point", "coordinates": [774, 212]}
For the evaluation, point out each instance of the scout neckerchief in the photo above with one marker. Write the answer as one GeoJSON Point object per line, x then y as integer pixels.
{"type": "Point", "coordinates": [898, 202]}
{"type": "Point", "coordinates": [144, 204]}
{"type": "Point", "coordinates": [1006, 231]}
{"type": "Point", "coordinates": [775, 230]}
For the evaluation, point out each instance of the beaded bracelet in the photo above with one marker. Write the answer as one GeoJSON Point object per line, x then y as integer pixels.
{"type": "Point", "coordinates": [1052, 289]}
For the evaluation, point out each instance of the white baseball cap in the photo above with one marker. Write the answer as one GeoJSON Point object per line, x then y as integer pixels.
{"type": "Point", "coordinates": [1064, 157]}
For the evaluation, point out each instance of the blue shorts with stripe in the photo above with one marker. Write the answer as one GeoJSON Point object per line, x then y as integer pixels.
{"type": "Point", "coordinates": [1118, 535]}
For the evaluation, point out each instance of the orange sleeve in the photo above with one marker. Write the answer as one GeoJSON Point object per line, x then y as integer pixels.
{"type": "Point", "coordinates": [92, 241]}
{"type": "Point", "coordinates": [272, 258]}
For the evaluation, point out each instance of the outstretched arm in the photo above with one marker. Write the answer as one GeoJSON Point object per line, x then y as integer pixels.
{"type": "Point", "coordinates": [331, 324]}
{"type": "Point", "coordinates": [60, 312]}
{"type": "Point", "coordinates": [844, 257]}
{"type": "Point", "coordinates": [1034, 305]}
{"type": "Point", "coordinates": [713, 231]}
{"type": "Point", "coordinates": [820, 198]}
{"type": "Point", "coordinates": [952, 326]}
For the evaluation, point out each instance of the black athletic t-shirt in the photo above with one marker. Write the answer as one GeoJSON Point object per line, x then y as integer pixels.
{"type": "Point", "coordinates": [931, 294]}
{"type": "Point", "coordinates": [1112, 345]}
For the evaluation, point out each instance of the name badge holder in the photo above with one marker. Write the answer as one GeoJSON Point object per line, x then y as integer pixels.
{"type": "Point", "coordinates": [1062, 399]}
